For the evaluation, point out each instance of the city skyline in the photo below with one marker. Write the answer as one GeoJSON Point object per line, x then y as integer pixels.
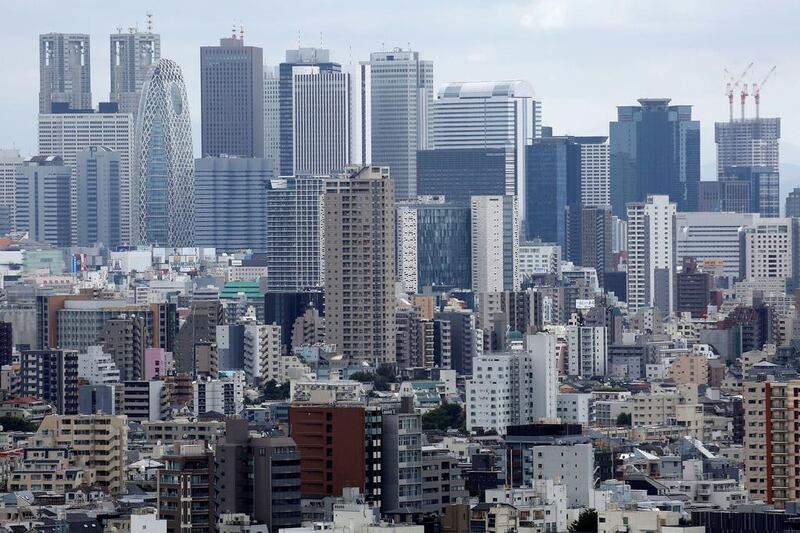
{"type": "Point", "coordinates": [582, 40]}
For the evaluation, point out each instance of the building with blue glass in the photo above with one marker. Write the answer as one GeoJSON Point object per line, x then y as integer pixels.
{"type": "Point", "coordinates": [654, 149]}
{"type": "Point", "coordinates": [460, 173]}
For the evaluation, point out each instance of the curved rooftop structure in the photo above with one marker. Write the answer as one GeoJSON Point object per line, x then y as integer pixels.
{"type": "Point", "coordinates": [487, 89]}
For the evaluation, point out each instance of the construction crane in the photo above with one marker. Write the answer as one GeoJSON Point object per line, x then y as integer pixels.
{"type": "Point", "coordinates": [730, 88]}
{"type": "Point", "coordinates": [757, 87]}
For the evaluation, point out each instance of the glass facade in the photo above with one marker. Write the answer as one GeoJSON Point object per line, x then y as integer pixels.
{"type": "Point", "coordinates": [458, 174]}
{"type": "Point", "coordinates": [443, 247]}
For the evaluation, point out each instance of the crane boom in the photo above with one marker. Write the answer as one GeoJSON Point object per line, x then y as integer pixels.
{"type": "Point", "coordinates": [733, 84]}
{"type": "Point", "coordinates": [757, 88]}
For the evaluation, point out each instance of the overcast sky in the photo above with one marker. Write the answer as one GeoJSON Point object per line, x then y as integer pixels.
{"type": "Point", "coordinates": [583, 57]}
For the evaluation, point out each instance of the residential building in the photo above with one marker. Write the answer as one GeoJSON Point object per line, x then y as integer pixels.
{"type": "Point", "coordinates": [400, 102]}
{"type": "Point", "coordinates": [224, 396]}
{"type": "Point", "coordinates": [183, 429]}
{"type": "Point", "coordinates": [97, 367]}
{"type": "Point", "coordinates": [132, 55]}
{"type": "Point", "coordinates": [64, 71]}
{"type": "Point", "coordinates": [767, 254]}
{"type": "Point", "coordinates": [651, 254]}
{"type": "Point", "coordinates": [575, 407]}
{"type": "Point", "coordinates": [587, 351]}
{"type": "Point", "coordinates": [293, 233]}
{"type": "Point", "coordinates": [143, 401]}
{"type": "Point", "coordinates": [232, 99]}
{"type": "Point", "coordinates": [186, 488]}
{"type": "Point", "coordinates": [98, 174]}
{"type": "Point", "coordinates": [654, 150]}
{"type": "Point", "coordinates": [230, 199]}
{"type": "Point", "coordinates": [693, 289]}
{"type": "Point", "coordinates": [262, 361]}
{"type": "Point", "coordinates": [359, 246]}
{"type": "Point", "coordinates": [595, 172]}
{"type": "Point", "coordinates": [97, 399]}
{"type": "Point", "coordinates": [51, 375]}
{"type": "Point", "coordinates": [536, 257]}
{"type": "Point", "coordinates": [162, 183]}
{"type": "Point", "coordinates": [401, 465]}
{"type": "Point", "coordinates": [588, 237]}
{"type": "Point", "coordinates": [513, 388]}
{"type": "Point", "coordinates": [442, 480]}
{"type": "Point", "coordinates": [124, 337]}
{"type": "Point", "coordinates": [285, 308]}
{"type": "Point", "coordinates": [339, 447]}
{"type": "Point", "coordinates": [257, 476]}
{"type": "Point", "coordinates": [495, 238]}
{"type": "Point", "coordinates": [99, 445]}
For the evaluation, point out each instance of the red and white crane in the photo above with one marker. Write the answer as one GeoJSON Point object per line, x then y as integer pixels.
{"type": "Point", "coordinates": [733, 83]}
{"type": "Point", "coordinates": [757, 87]}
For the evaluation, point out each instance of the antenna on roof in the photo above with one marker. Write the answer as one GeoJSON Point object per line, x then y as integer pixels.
{"type": "Point", "coordinates": [320, 40]}
{"type": "Point", "coordinates": [149, 22]}
{"type": "Point", "coordinates": [233, 30]}
{"type": "Point", "coordinates": [298, 38]}
{"type": "Point", "coordinates": [119, 29]}
{"type": "Point", "coordinates": [241, 32]}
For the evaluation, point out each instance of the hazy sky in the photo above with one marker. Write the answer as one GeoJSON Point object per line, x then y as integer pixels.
{"type": "Point", "coordinates": [583, 57]}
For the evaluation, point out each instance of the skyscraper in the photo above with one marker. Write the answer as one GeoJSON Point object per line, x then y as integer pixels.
{"type": "Point", "coordinates": [43, 207]}
{"type": "Point", "coordinates": [64, 71]}
{"type": "Point", "coordinates": [651, 254]}
{"type": "Point", "coordinates": [595, 172]}
{"type": "Point", "coordinates": [488, 115]}
{"type": "Point", "coordinates": [589, 238]}
{"type": "Point", "coordinates": [748, 142]}
{"type": "Point", "coordinates": [232, 99]}
{"type": "Point", "coordinates": [65, 134]}
{"type": "Point", "coordinates": [792, 203]}
{"type": "Point", "coordinates": [293, 233]}
{"type": "Point", "coordinates": [231, 203]}
{"type": "Point", "coordinates": [654, 150]}
{"type": "Point", "coordinates": [132, 55]}
{"type": "Point", "coordinates": [495, 244]}
{"type": "Point", "coordinates": [314, 113]}
{"type": "Point", "coordinates": [401, 95]}
{"type": "Point", "coordinates": [359, 265]}
{"type": "Point", "coordinates": [162, 187]}
{"type": "Point", "coordinates": [272, 118]}
{"type": "Point", "coordinates": [458, 174]}
{"type": "Point", "coordinates": [764, 185]}
{"type": "Point", "coordinates": [10, 164]}
{"type": "Point", "coordinates": [98, 174]}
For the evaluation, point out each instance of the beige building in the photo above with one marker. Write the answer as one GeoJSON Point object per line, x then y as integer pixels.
{"type": "Point", "coordinates": [359, 265]}
{"type": "Point", "coordinates": [771, 464]}
{"type": "Point", "coordinates": [49, 469]}
{"type": "Point", "coordinates": [183, 430]}
{"type": "Point", "coordinates": [98, 444]}
{"type": "Point", "coordinates": [689, 368]}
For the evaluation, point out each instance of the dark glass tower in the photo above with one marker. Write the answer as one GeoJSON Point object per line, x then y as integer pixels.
{"type": "Point", "coordinates": [655, 149]}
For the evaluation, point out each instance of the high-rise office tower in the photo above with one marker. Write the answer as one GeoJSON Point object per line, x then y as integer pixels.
{"type": "Point", "coordinates": [64, 71]}
{"type": "Point", "coordinates": [231, 203]}
{"type": "Point", "coordinates": [495, 244]}
{"type": "Point", "coordinates": [359, 265]}
{"type": "Point", "coordinates": [293, 233]}
{"type": "Point", "coordinates": [589, 239]}
{"type": "Point", "coordinates": [272, 118]}
{"type": "Point", "coordinates": [10, 164]}
{"type": "Point", "coordinates": [457, 174]}
{"type": "Point", "coordinates": [132, 55]}
{"type": "Point", "coordinates": [748, 142]}
{"type": "Point", "coordinates": [764, 187]}
{"type": "Point", "coordinates": [792, 203]}
{"type": "Point", "coordinates": [488, 115]}
{"type": "Point", "coordinates": [314, 98]}
{"type": "Point", "coordinates": [162, 186]}
{"type": "Point", "coordinates": [232, 99]}
{"type": "Point", "coordinates": [595, 172]}
{"type": "Point", "coordinates": [767, 254]}
{"type": "Point", "coordinates": [43, 207]}
{"type": "Point", "coordinates": [713, 237]}
{"type": "Point", "coordinates": [98, 209]}
{"type": "Point", "coordinates": [64, 134]}
{"type": "Point", "coordinates": [401, 95]}
{"type": "Point", "coordinates": [433, 245]}
{"type": "Point", "coordinates": [654, 150]}
{"type": "Point", "coordinates": [651, 254]}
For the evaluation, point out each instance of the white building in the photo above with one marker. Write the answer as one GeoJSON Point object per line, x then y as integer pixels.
{"type": "Point", "coordinates": [539, 258]}
{"type": "Point", "coordinates": [10, 163]}
{"type": "Point", "coordinates": [67, 134]}
{"type": "Point", "coordinates": [272, 120]}
{"type": "Point", "coordinates": [712, 237]}
{"type": "Point", "coordinates": [501, 114]}
{"type": "Point", "coordinates": [571, 465]}
{"type": "Point", "coordinates": [513, 387]}
{"type": "Point", "coordinates": [262, 354]}
{"type": "Point", "coordinates": [768, 253]}
{"type": "Point", "coordinates": [651, 254]}
{"type": "Point", "coordinates": [146, 520]}
{"type": "Point", "coordinates": [96, 367]}
{"type": "Point", "coordinates": [495, 238]}
{"type": "Point", "coordinates": [595, 172]}
{"type": "Point", "coordinates": [224, 395]}
{"type": "Point", "coordinates": [575, 407]}
{"type": "Point", "coordinates": [406, 248]}
{"type": "Point", "coordinates": [587, 351]}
